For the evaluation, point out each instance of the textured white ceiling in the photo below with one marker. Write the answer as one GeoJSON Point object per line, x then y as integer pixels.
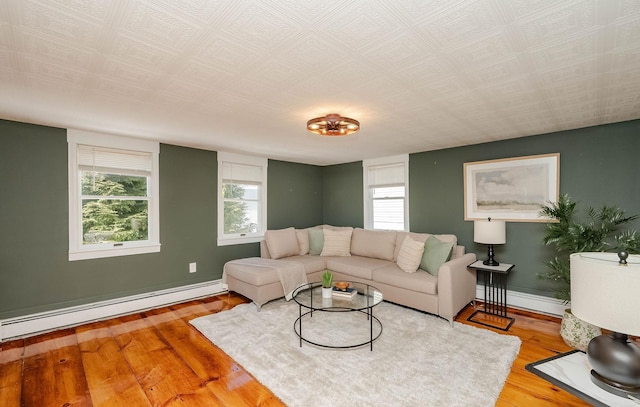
{"type": "Point", "coordinates": [246, 75]}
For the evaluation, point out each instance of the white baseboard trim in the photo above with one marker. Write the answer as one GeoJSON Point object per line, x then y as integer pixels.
{"type": "Point", "coordinates": [28, 325]}
{"type": "Point", "coordinates": [537, 303]}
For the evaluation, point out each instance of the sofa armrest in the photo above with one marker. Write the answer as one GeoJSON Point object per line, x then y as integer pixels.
{"type": "Point", "coordinates": [456, 285]}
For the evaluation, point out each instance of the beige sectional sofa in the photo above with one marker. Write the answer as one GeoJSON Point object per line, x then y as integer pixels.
{"type": "Point", "coordinates": [418, 270]}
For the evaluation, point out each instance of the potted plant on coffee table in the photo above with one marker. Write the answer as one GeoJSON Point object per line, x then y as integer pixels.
{"type": "Point", "coordinates": [601, 230]}
{"type": "Point", "coordinates": [327, 283]}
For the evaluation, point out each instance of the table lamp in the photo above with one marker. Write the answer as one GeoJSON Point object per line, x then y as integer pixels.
{"type": "Point", "coordinates": [605, 291]}
{"type": "Point", "coordinates": [490, 232]}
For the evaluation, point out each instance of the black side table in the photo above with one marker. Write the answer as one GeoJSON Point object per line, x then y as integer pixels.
{"type": "Point", "coordinates": [495, 293]}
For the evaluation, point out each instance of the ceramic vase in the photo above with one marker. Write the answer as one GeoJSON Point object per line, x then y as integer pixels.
{"type": "Point", "coordinates": [576, 332]}
{"type": "Point", "coordinates": [326, 292]}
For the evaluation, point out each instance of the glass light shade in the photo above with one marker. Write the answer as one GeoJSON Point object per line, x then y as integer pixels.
{"type": "Point", "coordinates": [489, 231]}
{"type": "Point", "coordinates": [605, 293]}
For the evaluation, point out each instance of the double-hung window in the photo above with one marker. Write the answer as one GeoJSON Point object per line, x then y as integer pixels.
{"type": "Point", "coordinates": [113, 196]}
{"type": "Point", "coordinates": [242, 198]}
{"type": "Point", "coordinates": [386, 193]}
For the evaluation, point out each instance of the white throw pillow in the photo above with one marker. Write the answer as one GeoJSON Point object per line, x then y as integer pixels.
{"type": "Point", "coordinates": [337, 242]}
{"type": "Point", "coordinates": [410, 255]}
{"type": "Point", "coordinates": [303, 241]}
{"type": "Point", "coordinates": [282, 243]}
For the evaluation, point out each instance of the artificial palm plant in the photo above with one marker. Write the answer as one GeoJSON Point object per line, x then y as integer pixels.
{"type": "Point", "coordinates": [601, 231]}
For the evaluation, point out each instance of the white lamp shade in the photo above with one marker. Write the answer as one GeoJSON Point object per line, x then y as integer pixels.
{"type": "Point", "coordinates": [605, 293]}
{"type": "Point", "coordinates": [489, 232]}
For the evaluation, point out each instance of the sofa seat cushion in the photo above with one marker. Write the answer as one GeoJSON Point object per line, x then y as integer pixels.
{"type": "Point", "coordinates": [356, 266]}
{"type": "Point", "coordinates": [311, 264]}
{"type": "Point", "coordinates": [420, 281]}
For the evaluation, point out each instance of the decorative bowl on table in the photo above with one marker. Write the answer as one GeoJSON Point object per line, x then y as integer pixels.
{"type": "Point", "coordinates": [342, 285]}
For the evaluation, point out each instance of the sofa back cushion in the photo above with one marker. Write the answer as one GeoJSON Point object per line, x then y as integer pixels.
{"type": "Point", "coordinates": [336, 242]}
{"type": "Point", "coordinates": [377, 244]}
{"type": "Point", "coordinates": [282, 243]}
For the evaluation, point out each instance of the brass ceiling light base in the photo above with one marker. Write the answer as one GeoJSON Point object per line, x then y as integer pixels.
{"type": "Point", "coordinates": [333, 125]}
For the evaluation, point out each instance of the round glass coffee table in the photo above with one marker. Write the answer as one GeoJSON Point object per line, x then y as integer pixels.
{"type": "Point", "coordinates": [310, 303]}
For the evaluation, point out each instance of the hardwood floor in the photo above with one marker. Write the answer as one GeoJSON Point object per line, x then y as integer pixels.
{"type": "Point", "coordinates": [156, 358]}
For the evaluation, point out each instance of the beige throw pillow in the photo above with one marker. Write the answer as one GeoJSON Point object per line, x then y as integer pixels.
{"type": "Point", "coordinates": [303, 241]}
{"type": "Point", "coordinates": [337, 243]}
{"type": "Point", "coordinates": [410, 255]}
{"type": "Point", "coordinates": [282, 243]}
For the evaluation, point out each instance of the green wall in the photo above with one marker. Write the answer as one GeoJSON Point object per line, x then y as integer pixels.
{"type": "Point", "coordinates": [598, 165]}
{"type": "Point", "coordinates": [294, 195]}
{"type": "Point", "coordinates": [342, 189]}
{"type": "Point", "coordinates": [35, 274]}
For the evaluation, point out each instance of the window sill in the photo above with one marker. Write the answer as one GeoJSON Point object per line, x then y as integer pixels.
{"type": "Point", "coordinates": [240, 240]}
{"type": "Point", "coordinates": [111, 252]}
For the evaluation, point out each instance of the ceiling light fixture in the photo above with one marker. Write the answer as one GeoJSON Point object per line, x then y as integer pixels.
{"type": "Point", "coordinates": [333, 125]}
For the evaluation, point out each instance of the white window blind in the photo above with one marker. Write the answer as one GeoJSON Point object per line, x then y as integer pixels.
{"type": "Point", "coordinates": [235, 172]}
{"type": "Point", "coordinates": [112, 161]}
{"type": "Point", "coordinates": [386, 175]}
{"type": "Point", "coordinates": [386, 193]}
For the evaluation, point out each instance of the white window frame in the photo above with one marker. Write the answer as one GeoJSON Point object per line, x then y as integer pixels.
{"type": "Point", "coordinates": [242, 238]}
{"type": "Point", "coordinates": [403, 160]}
{"type": "Point", "coordinates": [78, 251]}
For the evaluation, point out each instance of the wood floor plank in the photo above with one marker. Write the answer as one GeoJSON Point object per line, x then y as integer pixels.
{"type": "Point", "coordinates": [111, 381]}
{"type": "Point", "coordinates": [162, 374]}
{"type": "Point", "coordinates": [172, 363]}
{"type": "Point", "coordinates": [540, 336]}
{"type": "Point", "coordinates": [224, 378]}
{"type": "Point", "coordinates": [53, 374]}
{"type": "Point", "coordinates": [11, 354]}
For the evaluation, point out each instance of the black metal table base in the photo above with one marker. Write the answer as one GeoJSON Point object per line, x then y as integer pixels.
{"type": "Point", "coordinates": [495, 299]}
{"type": "Point", "coordinates": [297, 327]}
{"type": "Point", "coordinates": [480, 311]}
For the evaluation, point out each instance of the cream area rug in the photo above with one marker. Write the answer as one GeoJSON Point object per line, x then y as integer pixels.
{"type": "Point", "coordinates": [418, 360]}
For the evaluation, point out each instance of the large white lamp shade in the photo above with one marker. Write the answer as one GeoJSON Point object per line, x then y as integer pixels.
{"type": "Point", "coordinates": [606, 292]}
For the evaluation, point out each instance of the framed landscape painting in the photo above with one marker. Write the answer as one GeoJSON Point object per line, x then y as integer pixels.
{"type": "Point", "coordinates": [511, 189]}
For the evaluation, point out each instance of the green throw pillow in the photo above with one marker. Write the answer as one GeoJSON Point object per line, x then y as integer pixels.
{"type": "Point", "coordinates": [316, 241]}
{"type": "Point", "coordinates": [436, 253]}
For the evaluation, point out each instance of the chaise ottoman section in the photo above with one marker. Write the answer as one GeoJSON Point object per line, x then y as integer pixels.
{"type": "Point", "coordinates": [259, 279]}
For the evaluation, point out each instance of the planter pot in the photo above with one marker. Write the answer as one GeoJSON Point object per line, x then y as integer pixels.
{"type": "Point", "coordinates": [576, 332]}
{"type": "Point", "coordinates": [326, 292]}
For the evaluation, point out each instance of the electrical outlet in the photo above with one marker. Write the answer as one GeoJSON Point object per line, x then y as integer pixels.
{"type": "Point", "coordinates": [192, 267]}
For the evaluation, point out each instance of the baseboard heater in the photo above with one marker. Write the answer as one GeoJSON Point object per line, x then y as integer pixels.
{"type": "Point", "coordinates": [33, 324]}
